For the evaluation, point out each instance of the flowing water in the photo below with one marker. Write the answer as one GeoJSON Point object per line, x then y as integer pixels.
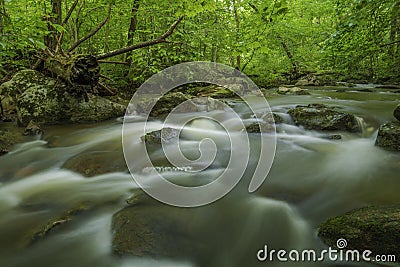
{"type": "Point", "coordinates": [311, 179]}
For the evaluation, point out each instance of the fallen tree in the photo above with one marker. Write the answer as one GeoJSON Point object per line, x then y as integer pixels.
{"type": "Point", "coordinates": [82, 72]}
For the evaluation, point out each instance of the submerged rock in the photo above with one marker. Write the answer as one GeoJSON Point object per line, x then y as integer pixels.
{"type": "Point", "coordinates": [371, 228]}
{"type": "Point", "coordinates": [389, 136]}
{"type": "Point", "coordinates": [47, 101]}
{"type": "Point", "coordinates": [151, 229]}
{"type": "Point", "coordinates": [55, 223]}
{"type": "Point", "coordinates": [324, 118]}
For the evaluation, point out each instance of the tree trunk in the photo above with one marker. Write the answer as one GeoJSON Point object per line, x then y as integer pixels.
{"type": "Point", "coordinates": [295, 68]}
{"type": "Point", "coordinates": [55, 18]}
{"type": "Point", "coordinates": [3, 16]}
{"type": "Point", "coordinates": [132, 28]}
{"type": "Point", "coordinates": [106, 44]}
{"type": "Point", "coordinates": [237, 28]}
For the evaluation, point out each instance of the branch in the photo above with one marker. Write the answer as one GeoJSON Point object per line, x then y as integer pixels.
{"type": "Point", "coordinates": [392, 43]}
{"type": "Point", "coordinates": [70, 12]}
{"type": "Point", "coordinates": [159, 40]}
{"type": "Point", "coordinates": [75, 45]}
{"type": "Point", "coordinates": [113, 62]}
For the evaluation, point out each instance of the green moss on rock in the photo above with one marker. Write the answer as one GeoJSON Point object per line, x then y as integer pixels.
{"type": "Point", "coordinates": [324, 118]}
{"type": "Point", "coordinates": [389, 136]}
{"type": "Point", "coordinates": [370, 228]}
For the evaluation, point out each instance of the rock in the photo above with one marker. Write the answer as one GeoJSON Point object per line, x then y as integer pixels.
{"type": "Point", "coordinates": [57, 222]}
{"type": "Point", "coordinates": [396, 113]}
{"type": "Point", "coordinates": [32, 129]}
{"type": "Point", "coordinates": [332, 137]}
{"type": "Point", "coordinates": [97, 163]}
{"type": "Point", "coordinates": [389, 136]}
{"type": "Point", "coordinates": [266, 124]}
{"type": "Point", "coordinates": [324, 118]}
{"type": "Point", "coordinates": [151, 229]}
{"type": "Point", "coordinates": [259, 127]}
{"type": "Point", "coordinates": [47, 101]}
{"type": "Point", "coordinates": [308, 80]}
{"type": "Point", "coordinates": [397, 92]}
{"type": "Point", "coordinates": [165, 136]}
{"type": "Point", "coordinates": [345, 84]}
{"type": "Point", "coordinates": [372, 228]}
{"type": "Point", "coordinates": [169, 102]}
{"type": "Point", "coordinates": [216, 91]}
{"type": "Point", "coordinates": [8, 138]}
{"type": "Point", "coordinates": [292, 91]}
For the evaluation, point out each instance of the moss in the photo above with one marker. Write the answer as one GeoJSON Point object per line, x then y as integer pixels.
{"type": "Point", "coordinates": [389, 136]}
{"type": "Point", "coordinates": [320, 117]}
{"type": "Point", "coordinates": [373, 228]}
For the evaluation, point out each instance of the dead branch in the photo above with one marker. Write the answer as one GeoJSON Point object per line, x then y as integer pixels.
{"type": "Point", "coordinates": [70, 12]}
{"type": "Point", "coordinates": [106, 88]}
{"type": "Point", "coordinates": [75, 45]}
{"type": "Point", "coordinates": [105, 77]}
{"type": "Point", "coordinates": [159, 40]}
{"type": "Point", "coordinates": [113, 62]}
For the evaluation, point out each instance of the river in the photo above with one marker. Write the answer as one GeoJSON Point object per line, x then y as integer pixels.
{"type": "Point", "coordinates": [311, 179]}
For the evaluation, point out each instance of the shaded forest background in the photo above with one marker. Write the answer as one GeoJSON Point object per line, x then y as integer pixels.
{"type": "Point", "coordinates": [273, 41]}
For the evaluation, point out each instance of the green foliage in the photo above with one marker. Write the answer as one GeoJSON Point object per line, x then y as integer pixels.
{"type": "Point", "coordinates": [262, 38]}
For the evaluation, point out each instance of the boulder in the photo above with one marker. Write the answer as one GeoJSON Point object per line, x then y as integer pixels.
{"type": "Point", "coordinates": [324, 118]}
{"type": "Point", "coordinates": [292, 91]}
{"type": "Point", "coordinates": [266, 124]}
{"type": "Point", "coordinates": [396, 113]}
{"type": "Point", "coordinates": [33, 129]}
{"type": "Point", "coordinates": [90, 164]}
{"type": "Point", "coordinates": [47, 101]}
{"type": "Point", "coordinates": [308, 80]}
{"type": "Point", "coordinates": [165, 135]}
{"type": "Point", "coordinates": [371, 228]}
{"type": "Point", "coordinates": [389, 136]}
{"type": "Point", "coordinates": [216, 91]}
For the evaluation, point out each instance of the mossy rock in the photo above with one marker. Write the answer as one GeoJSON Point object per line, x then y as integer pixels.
{"type": "Point", "coordinates": [96, 163]}
{"type": "Point", "coordinates": [292, 91]}
{"type": "Point", "coordinates": [9, 136]}
{"type": "Point", "coordinates": [215, 91]}
{"type": "Point", "coordinates": [389, 136]}
{"type": "Point", "coordinates": [324, 118]}
{"type": "Point", "coordinates": [48, 101]}
{"type": "Point", "coordinates": [163, 136]}
{"type": "Point", "coordinates": [371, 228]}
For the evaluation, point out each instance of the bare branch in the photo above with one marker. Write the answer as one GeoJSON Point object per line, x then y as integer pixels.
{"type": "Point", "coordinates": [106, 88]}
{"type": "Point", "coordinates": [113, 62]}
{"type": "Point", "coordinates": [75, 45]}
{"type": "Point", "coordinates": [70, 12]}
{"type": "Point", "coordinates": [159, 40]}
